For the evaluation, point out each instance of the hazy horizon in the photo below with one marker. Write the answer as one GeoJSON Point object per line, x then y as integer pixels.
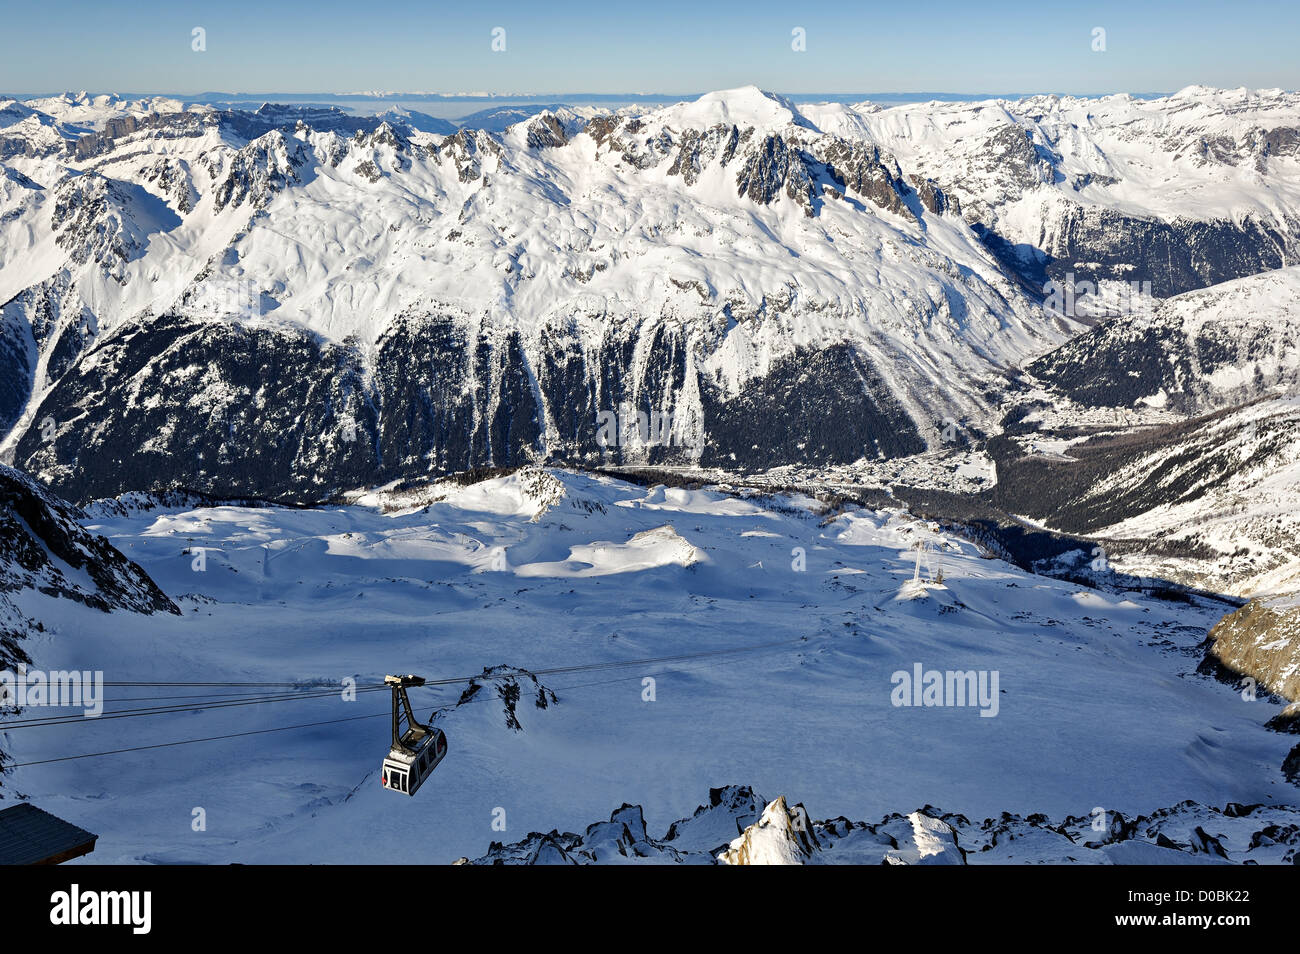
{"type": "Point", "coordinates": [929, 45]}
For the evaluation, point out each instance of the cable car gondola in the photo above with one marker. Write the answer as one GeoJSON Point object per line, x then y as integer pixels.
{"type": "Point", "coordinates": [417, 748]}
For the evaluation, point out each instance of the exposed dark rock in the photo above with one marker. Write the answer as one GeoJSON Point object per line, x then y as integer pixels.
{"type": "Point", "coordinates": [286, 415]}
{"type": "Point", "coordinates": [1291, 766]}
{"type": "Point", "coordinates": [863, 169]}
{"type": "Point", "coordinates": [775, 166]}
{"type": "Point", "coordinates": [934, 198]}
{"type": "Point", "coordinates": [43, 547]}
{"type": "Point", "coordinates": [546, 131]}
{"type": "Point", "coordinates": [1127, 358]}
{"type": "Point", "coordinates": [17, 357]}
{"type": "Point", "coordinates": [259, 170]}
{"type": "Point", "coordinates": [1093, 244]}
{"type": "Point", "coordinates": [467, 149]}
{"type": "Point", "coordinates": [368, 170]}
{"type": "Point", "coordinates": [698, 149]}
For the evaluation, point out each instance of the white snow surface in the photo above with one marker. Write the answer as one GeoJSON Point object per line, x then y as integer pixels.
{"type": "Point", "coordinates": [1098, 702]}
{"type": "Point", "coordinates": [1197, 154]}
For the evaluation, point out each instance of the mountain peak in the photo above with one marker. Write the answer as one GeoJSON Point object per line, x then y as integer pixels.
{"type": "Point", "coordinates": [743, 106]}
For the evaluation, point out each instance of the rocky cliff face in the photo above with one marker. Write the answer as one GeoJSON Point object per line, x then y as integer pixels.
{"type": "Point", "coordinates": [1261, 640]}
{"type": "Point", "coordinates": [781, 836]}
{"type": "Point", "coordinates": [44, 548]}
{"type": "Point", "coordinates": [1176, 256]}
{"type": "Point", "coordinates": [17, 354]}
{"type": "Point", "coordinates": [274, 402]}
{"type": "Point", "coordinates": [290, 416]}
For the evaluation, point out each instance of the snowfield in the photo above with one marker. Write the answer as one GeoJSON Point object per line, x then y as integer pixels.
{"type": "Point", "coordinates": [1098, 701]}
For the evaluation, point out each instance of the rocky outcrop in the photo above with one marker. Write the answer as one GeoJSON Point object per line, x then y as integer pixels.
{"type": "Point", "coordinates": [513, 686]}
{"type": "Point", "coordinates": [629, 138]}
{"type": "Point", "coordinates": [933, 198]}
{"type": "Point", "coordinates": [18, 359]}
{"type": "Point", "coordinates": [699, 148]}
{"type": "Point", "coordinates": [782, 836]}
{"type": "Point", "coordinates": [92, 222]}
{"type": "Point", "coordinates": [15, 626]}
{"type": "Point", "coordinates": [1261, 640]}
{"type": "Point", "coordinates": [43, 547]}
{"type": "Point", "coordinates": [546, 131]}
{"type": "Point", "coordinates": [737, 826]}
{"type": "Point", "coordinates": [863, 169]}
{"type": "Point", "coordinates": [772, 168]}
{"type": "Point", "coordinates": [173, 179]}
{"type": "Point", "coordinates": [467, 150]}
{"type": "Point", "coordinates": [259, 170]}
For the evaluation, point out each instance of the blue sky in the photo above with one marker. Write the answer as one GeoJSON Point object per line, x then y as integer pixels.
{"type": "Point", "coordinates": [663, 46]}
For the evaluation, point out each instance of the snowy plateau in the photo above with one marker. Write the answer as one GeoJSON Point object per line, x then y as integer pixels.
{"type": "Point", "coordinates": [1002, 392]}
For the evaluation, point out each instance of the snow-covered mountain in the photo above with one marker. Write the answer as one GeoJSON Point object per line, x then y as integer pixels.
{"type": "Point", "coordinates": [44, 547]}
{"type": "Point", "coordinates": [825, 345]}
{"type": "Point", "coordinates": [1213, 348]}
{"type": "Point", "coordinates": [1183, 191]}
{"type": "Point", "coordinates": [434, 302]}
{"type": "Point", "coordinates": [1212, 501]}
{"type": "Point", "coordinates": [45, 550]}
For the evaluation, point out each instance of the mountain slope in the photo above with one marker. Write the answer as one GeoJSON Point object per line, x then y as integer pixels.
{"type": "Point", "coordinates": [1183, 191]}
{"type": "Point", "coordinates": [45, 548]}
{"type": "Point", "coordinates": [687, 263]}
{"type": "Point", "coordinates": [46, 554]}
{"type": "Point", "coordinates": [1201, 350]}
{"type": "Point", "coordinates": [1212, 501]}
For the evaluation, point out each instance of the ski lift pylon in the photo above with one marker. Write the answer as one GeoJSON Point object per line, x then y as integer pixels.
{"type": "Point", "coordinates": [416, 749]}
